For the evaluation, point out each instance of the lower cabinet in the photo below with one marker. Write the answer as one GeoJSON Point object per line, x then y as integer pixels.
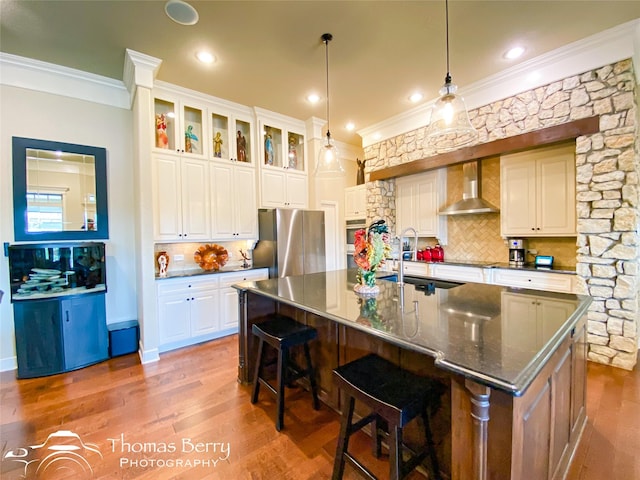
{"type": "Point", "coordinates": [196, 309]}
{"type": "Point", "coordinates": [60, 334]}
{"type": "Point", "coordinates": [553, 282]}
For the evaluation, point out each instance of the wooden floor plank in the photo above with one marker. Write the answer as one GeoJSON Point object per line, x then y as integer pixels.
{"type": "Point", "coordinates": [193, 394]}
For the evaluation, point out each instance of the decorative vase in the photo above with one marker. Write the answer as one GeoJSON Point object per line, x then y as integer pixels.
{"type": "Point", "coordinates": [366, 283]}
{"type": "Point", "coordinates": [163, 263]}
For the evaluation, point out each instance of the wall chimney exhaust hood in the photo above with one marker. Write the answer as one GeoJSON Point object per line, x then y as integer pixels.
{"type": "Point", "coordinates": [471, 202]}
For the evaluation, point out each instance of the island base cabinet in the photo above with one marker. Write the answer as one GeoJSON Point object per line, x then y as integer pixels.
{"type": "Point", "coordinates": [533, 436]}
{"type": "Point", "coordinates": [54, 335]}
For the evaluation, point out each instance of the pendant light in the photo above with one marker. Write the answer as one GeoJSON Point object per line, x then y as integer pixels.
{"type": "Point", "coordinates": [450, 126]}
{"type": "Point", "coordinates": [329, 164]}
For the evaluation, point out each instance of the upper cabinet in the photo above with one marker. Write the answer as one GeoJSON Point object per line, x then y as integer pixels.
{"type": "Point", "coordinates": [231, 135]}
{"type": "Point", "coordinates": [283, 161]}
{"type": "Point", "coordinates": [355, 202]}
{"type": "Point", "coordinates": [418, 200]}
{"type": "Point", "coordinates": [538, 192]}
{"type": "Point", "coordinates": [180, 125]}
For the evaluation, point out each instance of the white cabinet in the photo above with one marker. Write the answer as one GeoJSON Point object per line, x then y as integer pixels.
{"type": "Point", "coordinates": [231, 134]}
{"type": "Point", "coordinates": [538, 192]}
{"type": "Point", "coordinates": [196, 309]}
{"type": "Point", "coordinates": [181, 198]}
{"type": "Point", "coordinates": [283, 189]}
{"type": "Point", "coordinates": [554, 282]}
{"type": "Point", "coordinates": [188, 310]}
{"type": "Point", "coordinates": [180, 124]}
{"type": "Point", "coordinates": [233, 204]}
{"type": "Point", "coordinates": [229, 295]}
{"type": "Point", "coordinates": [460, 273]}
{"type": "Point", "coordinates": [355, 202]}
{"type": "Point", "coordinates": [283, 161]}
{"type": "Point", "coordinates": [529, 321]}
{"type": "Point", "coordinates": [418, 199]}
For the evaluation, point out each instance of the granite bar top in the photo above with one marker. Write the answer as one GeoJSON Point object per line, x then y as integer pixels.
{"type": "Point", "coordinates": [485, 332]}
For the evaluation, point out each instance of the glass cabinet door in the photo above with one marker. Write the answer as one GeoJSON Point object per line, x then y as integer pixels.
{"type": "Point", "coordinates": [243, 141]}
{"type": "Point", "coordinates": [165, 125]}
{"type": "Point", "coordinates": [192, 130]}
{"type": "Point", "coordinates": [221, 138]}
{"type": "Point", "coordinates": [295, 151]}
{"type": "Point", "coordinates": [272, 146]}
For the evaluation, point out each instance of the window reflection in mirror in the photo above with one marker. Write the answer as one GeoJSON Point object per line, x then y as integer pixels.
{"type": "Point", "coordinates": [59, 191]}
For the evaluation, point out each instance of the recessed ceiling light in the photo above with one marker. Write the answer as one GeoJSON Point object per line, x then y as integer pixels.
{"type": "Point", "coordinates": [415, 97]}
{"type": "Point", "coordinates": [514, 53]}
{"type": "Point", "coordinates": [350, 126]}
{"type": "Point", "coordinates": [205, 57]}
{"type": "Point", "coordinates": [313, 98]}
{"type": "Point", "coordinates": [181, 12]}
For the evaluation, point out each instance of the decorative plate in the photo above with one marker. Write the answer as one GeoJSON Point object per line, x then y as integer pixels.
{"type": "Point", "coordinates": [211, 257]}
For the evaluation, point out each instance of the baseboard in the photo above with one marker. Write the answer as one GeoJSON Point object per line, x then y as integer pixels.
{"type": "Point", "coordinates": [9, 363]}
{"type": "Point", "coordinates": [148, 356]}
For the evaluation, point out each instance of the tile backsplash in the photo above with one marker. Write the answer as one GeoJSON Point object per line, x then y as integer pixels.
{"type": "Point", "coordinates": [186, 250]}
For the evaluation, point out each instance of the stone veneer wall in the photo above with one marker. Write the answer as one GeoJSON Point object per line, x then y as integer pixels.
{"type": "Point", "coordinates": [607, 190]}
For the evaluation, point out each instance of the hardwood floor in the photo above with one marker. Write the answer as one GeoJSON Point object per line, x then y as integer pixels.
{"type": "Point", "coordinates": [158, 415]}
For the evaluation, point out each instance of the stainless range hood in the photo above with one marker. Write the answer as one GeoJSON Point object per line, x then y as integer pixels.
{"type": "Point", "coordinates": [471, 194]}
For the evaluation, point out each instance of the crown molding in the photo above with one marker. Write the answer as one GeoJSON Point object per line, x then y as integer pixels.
{"type": "Point", "coordinates": [46, 77]}
{"type": "Point", "coordinates": [140, 70]}
{"type": "Point", "coordinates": [609, 46]}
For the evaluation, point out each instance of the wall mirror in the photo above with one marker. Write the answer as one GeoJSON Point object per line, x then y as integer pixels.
{"type": "Point", "coordinates": [59, 191]}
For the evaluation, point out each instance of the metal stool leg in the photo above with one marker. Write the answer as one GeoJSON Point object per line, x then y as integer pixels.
{"type": "Point", "coordinates": [343, 439]}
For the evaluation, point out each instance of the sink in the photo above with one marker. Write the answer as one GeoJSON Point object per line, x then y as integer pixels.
{"type": "Point", "coordinates": [423, 282]}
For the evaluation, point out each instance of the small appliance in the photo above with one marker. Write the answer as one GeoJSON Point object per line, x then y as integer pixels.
{"type": "Point", "coordinates": [517, 251]}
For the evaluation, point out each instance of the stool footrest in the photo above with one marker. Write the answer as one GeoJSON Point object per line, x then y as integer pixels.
{"type": "Point", "coordinates": [361, 468]}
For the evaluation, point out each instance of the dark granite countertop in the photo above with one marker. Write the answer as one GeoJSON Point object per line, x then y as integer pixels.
{"type": "Point", "coordinates": [198, 272]}
{"type": "Point", "coordinates": [473, 329]}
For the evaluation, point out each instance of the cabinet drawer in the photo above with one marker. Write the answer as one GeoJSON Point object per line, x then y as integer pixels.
{"type": "Point", "coordinates": [460, 273]}
{"type": "Point", "coordinates": [229, 279]}
{"type": "Point", "coordinates": [191, 283]}
{"type": "Point", "coordinates": [416, 268]}
{"type": "Point", "coordinates": [554, 282]}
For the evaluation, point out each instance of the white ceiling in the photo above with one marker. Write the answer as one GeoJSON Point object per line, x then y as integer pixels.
{"type": "Point", "coordinates": [270, 53]}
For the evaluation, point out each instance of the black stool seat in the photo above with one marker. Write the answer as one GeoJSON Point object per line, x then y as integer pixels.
{"type": "Point", "coordinates": [394, 396]}
{"type": "Point", "coordinates": [283, 333]}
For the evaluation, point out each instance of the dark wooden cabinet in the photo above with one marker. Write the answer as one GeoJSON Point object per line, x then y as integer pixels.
{"type": "Point", "coordinates": [60, 334]}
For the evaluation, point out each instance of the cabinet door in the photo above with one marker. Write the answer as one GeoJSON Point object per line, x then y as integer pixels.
{"type": "Point", "coordinates": [39, 348]}
{"type": "Point", "coordinates": [297, 191]}
{"type": "Point", "coordinates": [518, 197]}
{"type": "Point", "coordinates": [273, 192]}
{"type": "Point", "coordinates": [167, 201]}
{"type": "Point", "coordinates": [205, 311]}
{"type": "Point", "coordinates": [223, 201]}
{"type": "Point", "coordinates": [418, 200]}
{"type": "Point", "coordinates": [426, 204]}
{"type": "Point", "coordinates": [405, 205]}
{"type": "Point", "coordinates": [84, 327]}
{"type": "Point", "coordinates": [244, 202]}
{"type": "Point", "coordinates": [519, 323]}
{"type": "Point", "coordinates": [194, 134]}
{"type": "Point", "coordinates": [174, 317]}
{"type": "Point", "coordinates": [228, 308]}
{"type": "Point", "coordinates": [355, 202]}
{"type": "Point", "coordinates": [557, 193]}
{"type": "Point", "coordinates": [195, 200]}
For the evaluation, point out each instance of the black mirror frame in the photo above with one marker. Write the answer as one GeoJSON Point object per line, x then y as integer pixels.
{"type": "Point", "coordinates": [20, 223]}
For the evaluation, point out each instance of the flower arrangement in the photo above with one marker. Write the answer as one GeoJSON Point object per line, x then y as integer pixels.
{"type": "Point", "coordinates": [371, 248]}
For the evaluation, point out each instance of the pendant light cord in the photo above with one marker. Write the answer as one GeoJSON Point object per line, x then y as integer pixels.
{"type": "Point", "coordinates": [327, 37]}
{"type": "Point", "coordinates": [446, 9]}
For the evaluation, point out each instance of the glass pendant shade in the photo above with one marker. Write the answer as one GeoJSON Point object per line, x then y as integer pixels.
{"type": "Point", "coordinates": [329, 160]}
{"type": "Point", "coordinates": [450, 126]}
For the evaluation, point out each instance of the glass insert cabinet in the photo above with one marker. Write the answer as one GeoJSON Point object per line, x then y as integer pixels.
{"type": "Point", "coordinates": [58, 295]}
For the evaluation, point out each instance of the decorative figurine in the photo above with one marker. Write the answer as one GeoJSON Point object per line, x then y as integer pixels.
{"type": "Point", "coordinates": [163, 263]}
{"type": "Point", "coordinates": [245, 259]}
{"type": "Point", "coordinates": [189, 140]}
{"type": "Point", "coordinates": [293, 152]}
{"type": "Point", "coordinates": [242, 147]}
{"type": "Point", "coordinates": [360, 176]}
{"type": "Point", "coordinates": [162, 140]}
{"type": "Point", "coordinates": [268, 149]}
{"type": "Point", "coordinates": [217, 145]}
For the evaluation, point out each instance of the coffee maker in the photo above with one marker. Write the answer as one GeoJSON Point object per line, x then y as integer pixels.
{"type": "Point", "coordinates": [517, 251]}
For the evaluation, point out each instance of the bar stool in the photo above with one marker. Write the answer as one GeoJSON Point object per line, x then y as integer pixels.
{"type": "Point", "coordinates": [394, 396]}
{"type": "Point", "coordinates": [282, 333]}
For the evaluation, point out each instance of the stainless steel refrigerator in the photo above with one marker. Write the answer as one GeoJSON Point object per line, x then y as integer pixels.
{"type": "Point", "coordinates": [291, 242]}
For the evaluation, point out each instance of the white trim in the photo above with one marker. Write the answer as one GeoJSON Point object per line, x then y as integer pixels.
{"type": "Point", "coordinates": [609, 46]}
{"type": "Point", "coordinates": [46, 77]}
{"type": "Point", "coordinates": [8, 364]}
{"type": "Point", "coordinates": [148, 356]}
{"type": "Point", "coordinates": [140, 70]}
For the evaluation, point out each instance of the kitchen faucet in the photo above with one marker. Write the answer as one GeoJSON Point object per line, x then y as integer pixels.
{"type": "Point", "coordinates": [413, 256]}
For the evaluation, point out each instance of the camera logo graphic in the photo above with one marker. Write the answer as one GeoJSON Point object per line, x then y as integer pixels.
{"type": "Point", "coordinates": [62, 455]}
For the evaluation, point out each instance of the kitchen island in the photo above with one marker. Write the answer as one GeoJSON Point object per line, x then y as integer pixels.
{"type": "Point", "coordinates": [515, 360]}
